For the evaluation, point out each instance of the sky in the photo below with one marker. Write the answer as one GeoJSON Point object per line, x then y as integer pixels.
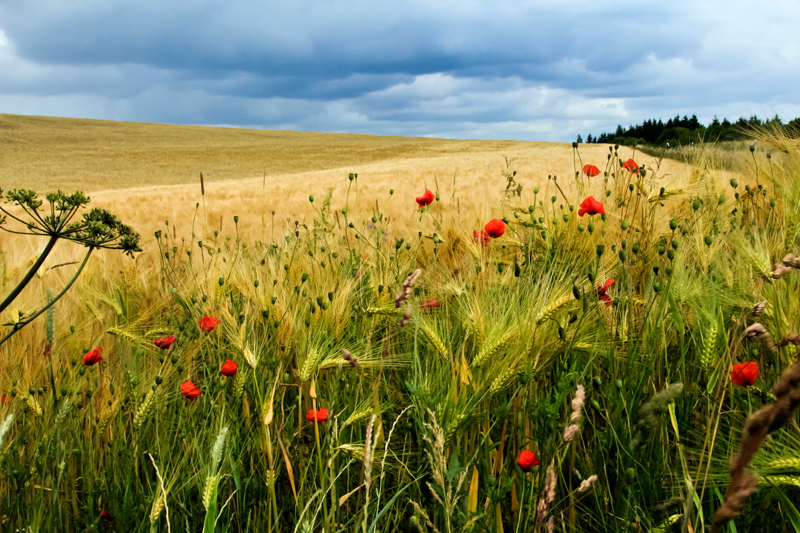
{"type": "Point", "coordinates": [541, 70]}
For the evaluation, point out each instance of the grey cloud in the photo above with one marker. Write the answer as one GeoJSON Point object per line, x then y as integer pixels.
{"type": "Point", "coordinates": [537, 70]}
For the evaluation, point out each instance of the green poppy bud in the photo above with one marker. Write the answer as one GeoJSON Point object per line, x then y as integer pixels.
{"type": "Point", "coordinates": [635, 248]}
{"type": "Point", "coordinates": [608, 193]}
{"type": "Point", "coordinates": [500, 267]}
{"type": "Point", "coordinates": [576, 292]}
{"type": "Point", "coordinates": [159, 380]}
{"type": "Point", "coordinates": [674, 245]}
{"type": "Point", "coordinates": [624, 225]}
{"type": "Point", "coordinates": [668, 270]}
{"type": "Point", "coordinates": [772, 202]}
{"type": "Point", "coordinates": [721, 200]}
{"type": "Point", "coordinates": [580, 228]}
{"type": "Point", "coordinates": [603, 217]}
{"type": "Point", "coordinates": [708, 240]}
{"type": "Point", "coordinates": [265, 314]}
{"type": "Point", "coordinates": [590, 227]}
{"type": "Point", "coordinates": [517, 269]}
{"type": "Point", "coordinates": [274, 299]}
{"type": "Point", "coordinates": [536, 190]}
{"type": "Point", "coordinates": [696, 204]}
{"type": "Point", "coordinates": [565, 217]}
{"type": "Point", "coordinates": [311, 198]}
{"type": "Point", "coordinates": [391, 192]}
{"type": "Point", "coordinates": [622, 255]}
{"type": "Point", "coordinates": [734, 183]}
{"type": "Point", "coordinates": [553, 199]}
{"type": "Point", "coordinates": [619, 384]}
{"type": "Point", "coordinates": [752, 148]}
{"type": "Point", "coordinates": [673, 224]}
{"type": "Point", "coordinates": [255, 283]}
{"type": "Point", "coordinates": [221, 282]}
{"type": "Point", "coordinates": [591, 276]}
{"type": "Point", "coordinates": [656, 287]}
{"type": "Point", "coordinates": [670, 254]}
{"type": "Point", "coordinates": [630, 187]}
{"type": "Point", "coordinates": [600, 250]}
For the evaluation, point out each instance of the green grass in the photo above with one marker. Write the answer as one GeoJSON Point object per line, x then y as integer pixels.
{"type": "Point", "coordinates": [428, 414]}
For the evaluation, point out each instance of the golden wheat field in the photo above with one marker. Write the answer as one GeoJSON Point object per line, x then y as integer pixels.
{"type": "Point", "coordinates": [148, 173]}
{"type": "Point", "coordinates": [307, 342]}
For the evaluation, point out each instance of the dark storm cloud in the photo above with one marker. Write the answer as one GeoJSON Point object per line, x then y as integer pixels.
{"type": "Point", "coordinates": [545, 69]}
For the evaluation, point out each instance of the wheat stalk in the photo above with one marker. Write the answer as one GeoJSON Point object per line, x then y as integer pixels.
{"type": "Point", "coordinates": [553, 308]}
{"type": "Point", "coordinates": [492, 345]}
{"type": "Point", "coordinates": [435, 340]}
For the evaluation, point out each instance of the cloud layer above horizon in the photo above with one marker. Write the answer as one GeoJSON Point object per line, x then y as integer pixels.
{"type": "Point", "coordinates": [544, 70]}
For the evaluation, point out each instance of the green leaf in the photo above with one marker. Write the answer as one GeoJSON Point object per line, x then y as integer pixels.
{"type": "Point", "coordinates": [788, 507]}
{"type": "Point", "coordinates": [386, 508]}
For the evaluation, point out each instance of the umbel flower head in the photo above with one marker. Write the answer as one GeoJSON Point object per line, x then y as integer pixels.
{"type": "Point", "coordinates": [97, 229]}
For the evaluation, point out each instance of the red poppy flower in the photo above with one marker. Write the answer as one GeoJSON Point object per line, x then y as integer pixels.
{"type": "Point", "coordinates": [631, 166]}
{"type": "Point", "coordinates": [92, 357]}
{"type": "Point", "coordinates": [320, 415]}
{"type": "Point", "coordinates": [527, 460]}
{"type": "Point", "coordinates": [495, 228]}
{"type": "Point", "coordinates": [208, 323]}
{"type": "Point", "coordinates": [426, 199]}
{"type": "Point", "coordinates": [190, 390]}
{"type": "Point", "coordinates": [229, 368]}
{"type": "Point", "coordinates": [591, 170]}
{"type": "Point", "coordinates": [165, 342]}
{"type": "Point", "coordinates": [3, 399]}
{"type": "Point", "coordinates": [590, 206]}
{"type": "Point", "coordinates": [602, 292]}
{"type": "Point", "coordinates": [481, 237]}
{"type": "Point", "coordinates": [429, 304]}
{"type": "Point", "coordinates": [744, 374]}
{"type": "Point", "coordinates": [106, 515]}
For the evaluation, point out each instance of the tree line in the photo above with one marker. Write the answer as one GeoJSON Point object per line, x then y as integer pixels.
{"type": "Point", "coordinates": [688, 130]}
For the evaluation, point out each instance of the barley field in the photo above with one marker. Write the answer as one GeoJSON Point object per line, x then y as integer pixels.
{"type": "Point", "coordinates": [347, 333]}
